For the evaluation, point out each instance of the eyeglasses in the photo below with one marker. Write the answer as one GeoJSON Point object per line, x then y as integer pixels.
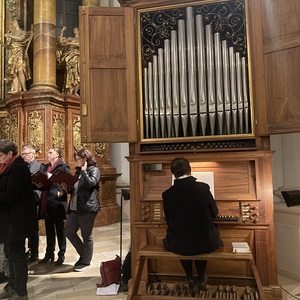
{"type": "Point", "coordinates": [23, 154]}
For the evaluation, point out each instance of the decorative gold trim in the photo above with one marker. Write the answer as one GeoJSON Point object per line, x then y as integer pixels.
{"type": "Point", "coordinates": [4, 127]}
{"type": "Point", "coordinates": [14, 128]}
{"type": "Point", "coordinates": [59, 134]}
{"type": "Point", "coordinates": [2, 30]}
{"type": "Point", "coordinates": [35, 130]}
{"type": "Point", "coordinates": [100, 150]}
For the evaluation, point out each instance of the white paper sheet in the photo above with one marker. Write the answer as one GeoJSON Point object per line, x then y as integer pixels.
{"type": "Point", "coordinates": [108, 290]}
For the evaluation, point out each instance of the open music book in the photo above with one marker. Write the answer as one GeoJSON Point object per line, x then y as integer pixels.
{"type": "Point", "coordinates": [62, 177]}
{"type": "Point", "coordinates": [41, 180]}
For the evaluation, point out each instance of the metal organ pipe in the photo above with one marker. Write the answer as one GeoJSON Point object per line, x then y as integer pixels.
{"type": "Point", "coordinates": [226, 86]}
{"type": "Point", "coordinates": [239, 91]}
{"type": "Point", "coordinates": [210, 78]}
{"type": "Point", "coordinates": [219, 82]}
{"type": "Point", "coordinates": [155, 96]}
{"type": "Point", "coordinates": [183, 75]}
{"type": "Point", "coordinates": [161, 99]}
{"type": "Point", "coordinates": [202, 91]}
{"type": "Point", "coordinates": [191, 57]}
{"type": "Point", "coordinates": [175, 87]}
{"type": "Point", "coordinates": [168, 103]}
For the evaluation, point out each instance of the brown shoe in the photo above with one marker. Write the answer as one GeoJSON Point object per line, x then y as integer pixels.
{"type": "Point", "coordinates": [15, 296]}
{"type": "Point", "coordinates": [7, 292]}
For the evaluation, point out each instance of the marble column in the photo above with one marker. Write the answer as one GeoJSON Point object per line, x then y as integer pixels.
{"type": "Point", "coordinates": [44, 46]}
{"type": "Point", "coordinates": [90, 2]}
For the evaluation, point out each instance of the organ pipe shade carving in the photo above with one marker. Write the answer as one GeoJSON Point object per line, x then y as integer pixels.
{"type": "Point", "coordinates": [195, 71]}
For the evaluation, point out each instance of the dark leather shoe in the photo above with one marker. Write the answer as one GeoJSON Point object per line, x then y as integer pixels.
{"type": "Point", "coordinates": [202, 283]}
{"type": "Point", "coordinates": [32, 258]}
{"type": "Point", "coordinates": [59, 261]}
{"type": "Point", "coordinates": [28, 254]}
{"type": "Point", "coordinates": [3, 278]}
{"type": "Point", "coordinates": [46, 259]}
{"type": "Point", "coordinates": [7, 292]}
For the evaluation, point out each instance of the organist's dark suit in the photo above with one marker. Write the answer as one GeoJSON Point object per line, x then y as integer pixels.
{"type": "Point", "coordinates": [189, 209]}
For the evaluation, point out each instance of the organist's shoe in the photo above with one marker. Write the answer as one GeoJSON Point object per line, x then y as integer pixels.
{"type": "Point", "coordinates": [190, 281]}
{"type": "Point", "coordinates": [202, 282]}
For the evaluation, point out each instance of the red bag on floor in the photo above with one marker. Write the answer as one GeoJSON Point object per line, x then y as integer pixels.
{"type": "Point", "coordinates": [110, 272]}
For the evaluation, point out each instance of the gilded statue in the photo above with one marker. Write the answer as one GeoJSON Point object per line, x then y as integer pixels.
{"type": "Point", "coordinates": [17, 64]}
{"type": "Point", "coordinates": [68, 56]}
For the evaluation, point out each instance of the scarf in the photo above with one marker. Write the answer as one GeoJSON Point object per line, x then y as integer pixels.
{"type": "Point", "coordinates": [42, 212]}
{"type": "Point", "coordinates": [4, 166]}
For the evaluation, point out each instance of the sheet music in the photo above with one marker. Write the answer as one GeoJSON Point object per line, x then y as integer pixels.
{"type": "Point", "coordinates": [207, 177]}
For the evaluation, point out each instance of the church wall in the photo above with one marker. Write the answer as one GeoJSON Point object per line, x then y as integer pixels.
{"type": "Point", "coordinates": [286, 176]}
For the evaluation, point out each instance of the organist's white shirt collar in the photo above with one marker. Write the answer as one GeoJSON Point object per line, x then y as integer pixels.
{"type": "Point", "coordinates": [183, 176]}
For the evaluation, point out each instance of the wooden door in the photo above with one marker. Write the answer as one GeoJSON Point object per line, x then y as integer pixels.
{"type": "Point", "coordinates": [275, 31]}
{"type": "Point", "coordinates": [108, 75]}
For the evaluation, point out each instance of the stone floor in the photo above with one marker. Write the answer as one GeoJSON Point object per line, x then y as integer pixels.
{"type": "Point", "coordinates": [56, 283]}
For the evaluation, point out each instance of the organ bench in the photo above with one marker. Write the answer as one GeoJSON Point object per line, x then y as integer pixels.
{"type": "Point", "coordinates": [223, 254]}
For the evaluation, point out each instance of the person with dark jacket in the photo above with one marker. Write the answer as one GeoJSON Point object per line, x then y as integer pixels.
{"type": "Point", "coordinates": [189, 209]}
{"type": "Point", "coordinates": [53, 209]}
{"type": "Point", "coordinates": [83, 208]}
{"type": "Point", "coordinates": [17, 212]}
{"type": "Point", "coordinates": [28, 154]}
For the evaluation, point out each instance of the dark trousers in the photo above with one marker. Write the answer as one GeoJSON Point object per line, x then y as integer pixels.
{"type": "Point", "coordinates": [18, 270]}
{"type": "Point", "coordinates": [85, 222]}
{"type": "Point", "coordinates": [188, 268]}
{"type": "Point", "coordinates": [55, 225]}
{"type": "Point", "coordinates": [33, 239]}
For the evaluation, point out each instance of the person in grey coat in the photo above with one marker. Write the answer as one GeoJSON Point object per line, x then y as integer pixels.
{"type": "Point", "coordinates": [17, 212]}
{"type": "Point", "coordinates": [83, 208]}
{"type": "Point", "coordinates": [189, 209]}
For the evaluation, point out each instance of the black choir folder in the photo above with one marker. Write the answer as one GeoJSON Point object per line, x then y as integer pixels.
{"type": "Point", "coordinates": [41, 180]}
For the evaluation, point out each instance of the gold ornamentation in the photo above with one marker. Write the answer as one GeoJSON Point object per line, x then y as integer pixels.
{"type": "Point", "coordinates": [59, 133]}
{"type": "Point", "coordinates": [35, 129]}
{"type": "Point", "coordinates": [77, 134]}
{"type": "Point", "coordinates": [68, 56]}
{"type": "Point", "coordinates": [14, 128]}
{"type": "Point", "coordinates": [100, 150]}
{"type": "Point", "coordinates": [4, 128]}
{"type": "Point", "coordinates": [12, 7]}
{"type": "Point", "coordinates": [17, 64]}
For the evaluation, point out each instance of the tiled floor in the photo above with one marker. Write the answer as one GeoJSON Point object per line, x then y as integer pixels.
{"type": "Point", "coordinates": [56, 283]}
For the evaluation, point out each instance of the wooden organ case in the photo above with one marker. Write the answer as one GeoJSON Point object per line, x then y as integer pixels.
{"type": "Point", "coordinates": [175, 78]}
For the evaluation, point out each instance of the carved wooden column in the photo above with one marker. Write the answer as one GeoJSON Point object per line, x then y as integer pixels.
{"type": "Point", "coordinates": [44, 62]}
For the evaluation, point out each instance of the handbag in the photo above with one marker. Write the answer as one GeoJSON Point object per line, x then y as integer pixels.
{"type": "Point", "coordinates": [110, 272]}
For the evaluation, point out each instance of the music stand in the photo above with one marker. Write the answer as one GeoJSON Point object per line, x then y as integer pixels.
{"type": "Point", "coordinates": [125, 195]}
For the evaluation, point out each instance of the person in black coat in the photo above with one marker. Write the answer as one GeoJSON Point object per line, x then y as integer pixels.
{"type": "Point", "coordinates": [53, 209]}
{"type": "Point", "coordinates": [83, 207]}
{"type": "Point", "coordinates": [189, 209]}
{"type": "Point", "coordinates": [17, 212]}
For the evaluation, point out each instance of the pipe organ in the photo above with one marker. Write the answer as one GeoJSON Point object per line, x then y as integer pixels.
{"type": "Point", "coordinates": [189, 85]}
